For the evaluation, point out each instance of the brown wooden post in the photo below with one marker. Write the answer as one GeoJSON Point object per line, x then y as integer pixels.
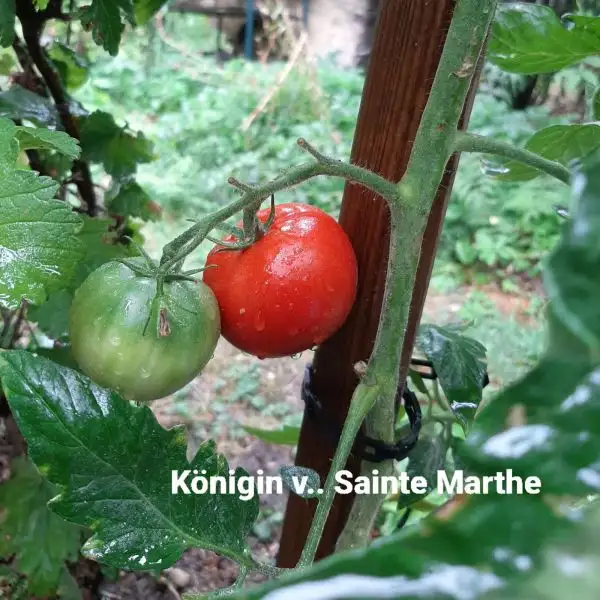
{"type": "Point", "coordinates": [407, 46]}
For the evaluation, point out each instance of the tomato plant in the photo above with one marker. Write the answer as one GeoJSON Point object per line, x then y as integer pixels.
{"type": "Point", "coordinates": [114, 342]}
{"type": "Point", "coordinates": [102, 467]}
{"type": "Point", "coordinates": [290, 290]}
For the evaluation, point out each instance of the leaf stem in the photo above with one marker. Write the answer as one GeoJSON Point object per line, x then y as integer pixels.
{"type": "Point", "coordinates": [470, 142]}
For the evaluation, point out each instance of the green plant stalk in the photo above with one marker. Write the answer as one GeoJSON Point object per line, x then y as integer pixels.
{"type": "Point", "coordinates": [252, 197]}
{"type": "Point", "coordinates": [362, 401]}
{"type": "Point", "coordinates": [432, 149]}
{"type": "Point", "coordinates": [470, 142]}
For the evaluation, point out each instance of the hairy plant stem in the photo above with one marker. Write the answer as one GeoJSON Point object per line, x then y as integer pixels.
{"type": "Point", "coordinates": [362, 401]}
{"type": "Point", "coordinates": [252, 196]}
{"type": "Point", "coordinates": [433, 147]}
{"type": "Point", "coordinates": [470, 142]}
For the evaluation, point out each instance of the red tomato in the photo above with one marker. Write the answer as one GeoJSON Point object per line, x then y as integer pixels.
{"type": "Point", "coordinates": [291, 290]}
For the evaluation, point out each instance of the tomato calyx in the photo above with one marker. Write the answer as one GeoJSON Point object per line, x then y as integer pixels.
{"type": "Point", "coordinates": [253, 230]}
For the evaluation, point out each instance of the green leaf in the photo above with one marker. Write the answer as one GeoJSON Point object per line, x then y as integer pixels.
{"type": "Point", "coordinates": [114, 464]}
{"type": "Point", "coordinates": [146, 9]}
{"type": "Point", "coordinates": [7, 62]}
{"type": "Point", "coordinates": [562, 143]}
{"type": "Point", "coordinates": [530, 39]}
{"type": "Point", "coordinates": [21, 104]}
{"type": "Point", "coordinates": [61, 356]}
{"type": "Point", "coordinates": [302, 481]}
{"type": "Point", "coordinates": [41, 540]}
{"type": "Point", "coordinates": [73, 68]}
{"type": "Point", "coordinates": [41, 4]}
{"type": "Point", "coordinates": [39, 246]}
{"type": "Point", "coordinates": [128, 198]}
{"type": "Point", "coordinates": [596, 105]}
{"type": "Point", "coordinates": [68, 588]}
{"type": "Point", "coordinates": [458, 360]}
{"type": "Point", "coordinates": [425, 460]}
{"type": "Point", "coordinates": [7, 22]}
{"type": "Point", "coordinates": [103, 17]}
{"type": "Point", "coordinates": [52, 316]}
{"type": "Point", "coordinates": [44, 139]}
{"type": "Point", "coordinates": [103, 141]}
{"type": "Point", "coordinates": [285, 435]}
{"type": "Point", "coordinates": [100, 247]}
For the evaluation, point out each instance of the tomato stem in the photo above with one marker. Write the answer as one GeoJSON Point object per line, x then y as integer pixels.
{"type": "Point", "coordinates": [253, 196]}
{"type": "Point", "coordinates": [470, 142]}
{"type": "Point", "coordinates": [432, 148]}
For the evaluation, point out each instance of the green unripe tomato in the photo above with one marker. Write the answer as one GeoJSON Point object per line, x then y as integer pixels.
{"type": "Point", "coordinates": [106, 325]}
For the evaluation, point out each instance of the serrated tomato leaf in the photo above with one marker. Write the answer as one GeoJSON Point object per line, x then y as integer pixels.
{"type": "Point", "coordinates": [116, 465]}
{"type": "Point", "coordinates": [458, 360]}
{"type": "Point", "coordinates": [301, 481]}
{"type": "Point", "coordinates": [103, 17]}
{"type": "Point", "coordinates": [285, 435]}
{"type": "Point", "coordinates": [530, 39]}
{"type": "Point", "coordinates": [21, 104]}
{"type": "Point", "coordinates": [45, 139]}
{"type": "Point", "coordinates": [425, 460]}
{"type": "Point", "coordinates": [104, 142]}
{"type": "Point", "coordinates": [561, 143]}
{"type": "Point", "coordinates": [40, 540]}
{"type": "Point", "coordinates": [73, 68]}
{"type": "Point", "coordinates": [128, 198]}
{"type": "Point", "coordinates": [146, 9]}
{"type": "Point", "coordinates": [39, 247]}
{"type": "Point", "coordinates": [7, 22]}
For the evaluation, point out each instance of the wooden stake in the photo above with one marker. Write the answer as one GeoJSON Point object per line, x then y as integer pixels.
{"type": "Point", "coordinates": [407, 46]}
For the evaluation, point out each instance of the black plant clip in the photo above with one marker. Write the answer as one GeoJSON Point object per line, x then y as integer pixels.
{"type": "Point", "coordinates": [373, 450]}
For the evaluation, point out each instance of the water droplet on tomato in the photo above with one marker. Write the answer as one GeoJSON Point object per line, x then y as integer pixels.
{"type": "Point", "coordinates": [242, 311]}
{"type": "Point", "coordinates": [329, 287]}
{"type": "Point", "coordinates": [259, 321]}
{"type": "Point", "coordinates": [115, 340]}
{"type": "Point", "coordinates": [144, 373]}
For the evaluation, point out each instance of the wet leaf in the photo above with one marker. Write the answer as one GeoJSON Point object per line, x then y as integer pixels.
{"type": "Point", "coordinates": [301, 481]}
{"type": "Point", "coordinates": [530, 39]}
{"type": "Point", "coordinates": [561, 143]}
{"type": "Point", "coordinates": [104, 18]}
{"type": "Point", "coordinates": [40, 540]}
{"type": "Point", "coordinates": [128, 198]}
{"type": "Point", "coordinates": [146, 9]}
{"type": "Point", "coordinates": [73, 68]}
{"type": "Point", "coordinates": [425, 460]}
{"type": "Point", "coordinates": [114, 464]}
{"type": "Point", "coordinates": [458, 360]}
{"type": "Point", "coordinates": [286, 434]}
{"type": "Point", "coordinates": [104, 142]}
{"type": "Point", "coordinates": [21, 104]}
{"type": "Point", "coordinates": [39, 245]}
{"type": "Point", "coordinates": [7, 22]}
{"type": "Point", "coordinates": [44, 139]}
